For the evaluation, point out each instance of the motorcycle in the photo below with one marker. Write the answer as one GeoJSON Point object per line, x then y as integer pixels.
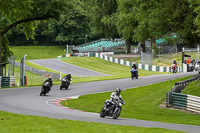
{"type": "Point", "coordinates": [134, 73]}
{"type": "Point", "coordinates": [174, 68]}
{"type": "Point", "coordinates": [111, 108]}
{"type": "Point", "coordinates": [197, 66]}
{"type": "Point", "coordinates": [45, 88]}
{"type": "Point", "coordinates": [65, 83]}
{"type": "Point", "coordinates": [190, 67]}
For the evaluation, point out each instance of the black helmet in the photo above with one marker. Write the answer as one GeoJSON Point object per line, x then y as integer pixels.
{"type": "Point", "coordinates": [68, 75]}
{"type": "Point", "coordinates": [118, 91]}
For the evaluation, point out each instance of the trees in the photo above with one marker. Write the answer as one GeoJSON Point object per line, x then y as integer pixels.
{"type": "Point", "coordinates": [103, 18]}
{"type": "Point", "coordinates": [25, 14]}
{"type": "Point", "coordinates": [142, 20]}
{"type": "Point", "coordinates": [72, 26]}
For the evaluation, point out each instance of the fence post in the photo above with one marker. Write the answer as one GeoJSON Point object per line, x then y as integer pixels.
{"type": "Point", "coordinates": [167, 99]}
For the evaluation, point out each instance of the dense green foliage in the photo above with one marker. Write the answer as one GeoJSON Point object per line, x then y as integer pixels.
{"type": "Point", "coordinates": [133, 20]}
{"type": "Point", "coordinates": [140, 103]}
{"type": "Point", "coordinates": [24, 14]}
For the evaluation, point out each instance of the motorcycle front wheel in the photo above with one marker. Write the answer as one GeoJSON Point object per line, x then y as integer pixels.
{"type": "Point", "coordinates": [103, 113]}
{"type": "Point", "coordinates": [42, 92]}
{"type": "Point", "coordinates": [61, 87]}
{"type": "Point", "coordinates": [116, 113]}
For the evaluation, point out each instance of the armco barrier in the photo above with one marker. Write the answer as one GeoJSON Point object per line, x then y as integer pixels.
{"type": "Point", "coordinates": [106, 57]}
{"type": "Point", "coordinates": [176, 99]}
{"type": "Point", "coordinates": [186, 102]}
{"type": "Point", "coordinates": [39, 72]}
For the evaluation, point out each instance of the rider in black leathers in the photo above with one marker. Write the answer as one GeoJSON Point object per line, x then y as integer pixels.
{"type": "Point", "coordinates": [50, 81]}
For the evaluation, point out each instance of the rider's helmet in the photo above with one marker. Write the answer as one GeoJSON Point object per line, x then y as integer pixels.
{"type": "Point", "coordinates": [49, 77]}
{"type": "Point", "coordinates": [68, 75]}
{"type": "Point", "coordinates": [118, 91]}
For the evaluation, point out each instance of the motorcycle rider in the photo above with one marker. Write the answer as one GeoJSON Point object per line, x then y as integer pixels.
{"type": "Point", "coordinates": [174, 65]}
{"type": "Point", "coordinates": [134, 67]}
{"type": "Point", "coordinates": [115, 96]}
{"type": "Point", "coordinates": [50, 81]}
{"type": "Point", "coordinates": [174, 62]}
{"type": "Point", "coordinates": [68, 77]}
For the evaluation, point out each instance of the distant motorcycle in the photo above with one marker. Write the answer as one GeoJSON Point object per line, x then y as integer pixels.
{"type": "Point", "coordinates": [174, 68]}
{"type": "Point", "coordinates": [134, 73]}
{"type": "Point", "coordinates": [191, 67]}
{"type": "Point", "coordinates": [112, 108]}
{"type": "Point", "coordinates": [65, 82]}
{"type": "Point", "coordinates": [197, 66]}
{"type": "Point", "coordinates": [45, 88]}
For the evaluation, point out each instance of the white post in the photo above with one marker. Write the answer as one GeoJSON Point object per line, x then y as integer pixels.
{"type": "Point", "coordinates": [67, 49]}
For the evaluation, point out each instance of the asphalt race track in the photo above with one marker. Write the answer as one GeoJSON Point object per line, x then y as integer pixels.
{"type": "Point", "coordinates": [27, 101]}
{"type": "Point", "coordinates": [66, 68]}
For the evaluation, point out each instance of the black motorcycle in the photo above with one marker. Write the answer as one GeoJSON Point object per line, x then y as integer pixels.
{"type": "Point", "coordinates": [65, 83]}
{"type": "Point", "coordinates": [134, 73]}
{"type": "Point", "coordinates": [111, 108]}
{"type": "Point", "coordinates": [45, 88]}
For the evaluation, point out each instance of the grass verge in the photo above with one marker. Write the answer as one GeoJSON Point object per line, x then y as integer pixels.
{"type": "Point", "coordinates": [15, 123]}
{"type": "Point", "coordinates": [166, 59]}
{"type": "Point", "coordinates": [37, 52]}
{"type": "Point", "coordinates": [193, 88]}
{"type": "Point", "coordinates": [116, 71]}
{"type": "Point", "coordinates": [141, 103]}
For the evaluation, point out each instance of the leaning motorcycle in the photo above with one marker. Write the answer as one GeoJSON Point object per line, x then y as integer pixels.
{"type": "Point", "coordinates": [134, 73]}
{"type": "Point", "coordinates": [45, 88]}
{"type": "Point", "coordinates": [64, 83]}
{"type": "Point", "coordinates": [111, 108]}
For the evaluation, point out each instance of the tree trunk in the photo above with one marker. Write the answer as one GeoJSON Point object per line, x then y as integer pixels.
{"type": "Point", "coordinates": [153, 41]}
{"type": "Point", "coordinates": [128, 45]}
{"type": "Point", "coordinates": [1, 48]}
{"type": "Point", "coordinates": [143, 47]}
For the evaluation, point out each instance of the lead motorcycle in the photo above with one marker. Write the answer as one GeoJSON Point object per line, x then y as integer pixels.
{"type": "Point", "coordinates": [45, 88]}
{"type": "Point", "coordinates": [134, 73]}
{"type": "Point", "coordinates": [112, 108]}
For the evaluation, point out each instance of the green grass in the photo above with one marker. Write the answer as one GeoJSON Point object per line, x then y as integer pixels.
{"type": "Point", "coordinates": [141, 103]}
{"type": "Point", "coordinates": [116, 70]}
{"type": "Point", "coordinates": [37, 52]}
{"type": "Point", "coordinates": [15, 123]}
{"type": "Point", "coordinates": [166, 59]}
{"type": "Point", "coordinates": [193, 88]}
{"type": "Point", "coordinates": [32, 79]}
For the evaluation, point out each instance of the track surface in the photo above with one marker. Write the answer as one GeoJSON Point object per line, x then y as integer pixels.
{"type": "Point", "coordinates": [66, 68]}
{"type": "Point", "coordinates": [27, 101]}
